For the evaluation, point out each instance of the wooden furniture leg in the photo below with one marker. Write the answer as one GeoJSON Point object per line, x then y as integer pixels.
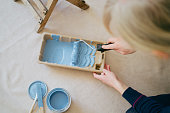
{"type": "Point", "coordinates": [44, 12]}
{"type": "Point", "coordinates": [50, 7]}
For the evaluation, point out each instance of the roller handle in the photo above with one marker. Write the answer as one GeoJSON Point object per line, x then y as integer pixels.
{"type": "Point", "coordinates": [99, 47]}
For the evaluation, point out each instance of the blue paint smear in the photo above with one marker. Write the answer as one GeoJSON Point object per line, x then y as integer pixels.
{"type": "Point", "coordinates": [68, 53]}
{"type": "Point", "coordinates": [39, 95]}
{"type": "Point", "coordinates": [55, 37]}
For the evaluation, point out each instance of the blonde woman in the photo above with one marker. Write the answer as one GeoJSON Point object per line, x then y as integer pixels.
{"type": "Point", "coordinates": [137, 24]}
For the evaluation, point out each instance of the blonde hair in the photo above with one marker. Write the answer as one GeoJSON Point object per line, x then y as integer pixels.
{"type": "Point", "coordinates": [144, 24]}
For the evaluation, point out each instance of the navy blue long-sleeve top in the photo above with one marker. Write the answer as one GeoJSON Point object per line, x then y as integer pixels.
{"type": "Point", "coordinates": [143, 104]}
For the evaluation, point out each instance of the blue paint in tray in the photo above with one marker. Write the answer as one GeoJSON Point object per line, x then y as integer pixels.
{"type": "Point", "coordinates": [75, 53]}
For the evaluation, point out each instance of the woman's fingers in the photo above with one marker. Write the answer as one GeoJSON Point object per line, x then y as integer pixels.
{"type": "Point", "coordinates": [110, 46]}
{"type": "Point", "coordinates": [106, 72]}
{"type": "Point", "coordinates": [107, 67]}
{"type": "Point", "coordinates": [97, 76]}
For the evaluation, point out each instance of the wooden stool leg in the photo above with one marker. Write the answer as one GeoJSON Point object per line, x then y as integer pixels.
{"type": "Point", "coordinates": [47, 10]}
{"type": "Point", "coordinates": [79, 3]}
{"type": "Point", "coordinates": [50, 6]}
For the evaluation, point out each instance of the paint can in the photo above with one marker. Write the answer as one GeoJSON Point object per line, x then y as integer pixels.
{"type": "Point", "coordinates": [58, 100]}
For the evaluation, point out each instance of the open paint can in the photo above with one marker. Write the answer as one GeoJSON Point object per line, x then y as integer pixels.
{"type": "Point", "coordinates": [58, 100]}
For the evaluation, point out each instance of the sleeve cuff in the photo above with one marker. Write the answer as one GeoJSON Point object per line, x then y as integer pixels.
{"type": "Point", "coordinates": [132, 96]}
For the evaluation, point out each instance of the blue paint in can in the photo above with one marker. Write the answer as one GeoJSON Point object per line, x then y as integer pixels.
{"type": "Point", "coordinates": [58, 99]}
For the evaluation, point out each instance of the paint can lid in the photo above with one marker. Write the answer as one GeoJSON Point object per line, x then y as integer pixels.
{"type": "Point", "coordinates": [33, 89]}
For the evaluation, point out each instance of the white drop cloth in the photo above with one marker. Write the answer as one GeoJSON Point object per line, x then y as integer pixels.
{"type": "Point", "coordinates": [19, 50]}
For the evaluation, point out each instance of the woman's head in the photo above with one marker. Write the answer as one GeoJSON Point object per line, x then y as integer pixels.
{"type": "Point", "coordinates": [145, 24]}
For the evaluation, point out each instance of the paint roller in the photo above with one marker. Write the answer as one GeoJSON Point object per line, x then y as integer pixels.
{"type": "Point", "coordinates": [75, 53]}
{"type": "Point", "coordinates": [76, 46]}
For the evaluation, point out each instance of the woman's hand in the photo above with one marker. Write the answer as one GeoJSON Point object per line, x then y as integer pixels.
{"type": "Point", "coordinates": [119, 45]}
{"type": "Point", "coordinates": [109, 78]}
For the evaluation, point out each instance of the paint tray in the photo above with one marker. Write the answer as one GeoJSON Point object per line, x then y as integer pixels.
{"type": "Point", "coordinates": [70, 52]}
